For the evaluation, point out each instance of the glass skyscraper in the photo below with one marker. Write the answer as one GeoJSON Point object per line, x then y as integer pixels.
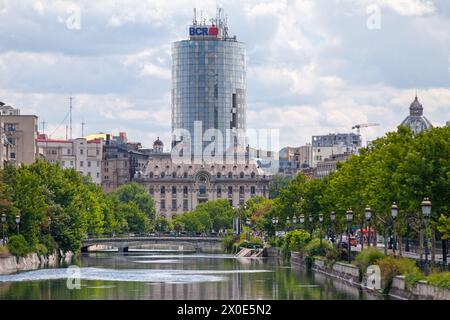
{"type": "Point", "coordinates": [208, 82]}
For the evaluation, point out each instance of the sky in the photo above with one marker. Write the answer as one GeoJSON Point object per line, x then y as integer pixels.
{"type": "Point", "coordinates": [313, 66]}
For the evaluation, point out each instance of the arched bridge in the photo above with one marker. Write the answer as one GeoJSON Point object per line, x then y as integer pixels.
{"type": "Point", "coordinates": [198, 244]}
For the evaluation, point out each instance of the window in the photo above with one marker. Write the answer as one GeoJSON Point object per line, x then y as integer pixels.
{"type": "Point", "coordinates": [219, 192]}
{"type": "Point", "coordinates": [89, 173]}
{"type": "Point", "coordinates": [219, 175]}
{"type": "Point", "coordinates": [230, 190]}
{"type": "Point", "coordinates": [81, 151]}
{"type": "Point", "coordinates": [202, 189]}
{"type": "Point", "coordinates": [174, 174]}
{"type": "Point", "coordinates": [185, 191]}
{"type": "Point", "coordinates": [98, 164]}
{"type": "Point", "coordinates": [69, 151]}
{"type": "Point", "coordinates": [81, 163]}
{"type": "Point", "coordinates": [89, 164]}
{"type": "Point", "coordinates": [98, 151]}
{"type": "Point", "coordinates": [163, 190]}
{"type": "Point", "coordinates": [253, 190]}
{"type": "Point", "coordinates": [151, 174]}
{"type": "Point", "coordinates": [12, 155]}
{"type": "Point", "coordinates": [152, 190]}
{"type": "Point", "coordinates": [10, 126]}
{"type": "Point", "coordinates": [71, 163]}
{"type": "Point", "coordinates": [185, 175]}
{"type": "Point", "coordinates": [174, 204]}
{"type": "Point", "coordinates": [163, 174]}
{"type": "Point", "coordinates": [253, 175]}
{"type": "Point", "coordinates": [231, 202]}
{"type": "Point", "coordinates": [185, 205]}
{"type": "Point", "coordinates": [230, 175]}
{"type": "Point", "coordinates": [174, 190]}
{"type": "Point", "coordinates": [63, 163]}
{"type": "Point", "coordinates": [163, 204]}
{"type": "Point", "coordinates": [241, 175]}
{"type": "Point", "coordinates": [98, 175]}
{"type": "Point", "coordinates": [241, 190]}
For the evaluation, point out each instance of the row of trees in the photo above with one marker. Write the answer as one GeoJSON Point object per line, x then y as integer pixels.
{"type": "Point", "coordinates": [400, 167]}
{"type": "Point", "coordinates": [60, 207]}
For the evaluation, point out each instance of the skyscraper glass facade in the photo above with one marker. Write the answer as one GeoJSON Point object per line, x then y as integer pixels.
{"type": "Point", "coordinates": [208, 84]}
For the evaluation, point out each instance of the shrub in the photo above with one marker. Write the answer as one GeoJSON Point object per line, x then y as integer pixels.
{"type": "Point", "coordinates": [4, 250]}
{"type": "Point", "coordinates": [18, 246]}
{"type": "Point", "coordinates": [440, 279]}
{"type": "Point", "coordinates": [312, 248]}
{"type": "Point", "coordinates": [228, 242]}
{"type": "Point", "coordinates": [331, 256]}
{"type": "Point", "coordinates": [367, 257]}
{"type": "Point", "coordinates": [41, 249]}
{"type": "Point", "coordinates": [49, 243]}
{"type": "Point", "coordinates": [297, 239]}
{"type": "Point", "coordinates": [391, 267]}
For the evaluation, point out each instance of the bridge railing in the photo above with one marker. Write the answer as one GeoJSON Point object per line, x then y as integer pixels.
{"type": "Point", "coordinates": [154, 234]}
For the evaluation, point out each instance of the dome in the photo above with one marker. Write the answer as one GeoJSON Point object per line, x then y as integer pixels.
{"type": "Point", "coordinates": [158, 142]}
{"type": "Point", "coordinates": [416, 108]}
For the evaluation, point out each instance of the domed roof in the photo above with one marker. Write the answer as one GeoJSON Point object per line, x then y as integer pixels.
{"type": "Point", "coordinates": [416, 108]}
{"type": "Point", "coordinates": [158, 142]}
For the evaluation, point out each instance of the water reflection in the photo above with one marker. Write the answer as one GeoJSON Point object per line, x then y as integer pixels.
{"type": "Point", "coordinates": [177, 277]}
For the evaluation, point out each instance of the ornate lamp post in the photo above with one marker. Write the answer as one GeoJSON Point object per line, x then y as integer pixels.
{"type": "Point", "coordinates": [248, 222]}
{"type": "Point", "coordinates": [394, 214]}
{"type": "Point", "coordinates": [302, 219]}
{"type": "Point", "coordinates": [17, 223]}
{"type": "Point", "coordinates": [349, 217]}
{"type": "Point", "coordinates": [288, 223]}
{"type": "Point", "coordinates": [294, 221]}
{"type": "Point", "coordinates": [275, 222]}
{"type": "Point", "coordinates": [3, 227]}
{"type": "Point", "coordinates": [426, 211]}
{"type": "Point", "coordinates": [368, 216]}
{"type": "Point", "coordinates": [321, 223]}
{"type": "Point", "coordinates": [332, 218]}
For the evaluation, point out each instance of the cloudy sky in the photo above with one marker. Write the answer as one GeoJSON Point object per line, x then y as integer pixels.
{"type": "Point", "coordinates": [314, 66]}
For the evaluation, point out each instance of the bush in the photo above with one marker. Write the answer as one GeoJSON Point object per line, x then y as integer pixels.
{"type": "Point", "coordinates": [4, 251]}
{"type": "Point", "coordinates": [41, 249]}
{"type": "Point", "coordinates": [440, 279]}
{"type": "Point", "coordinates": [49, 243]}
{"type": "Point", "coordinates": [228, 242]}
{"type": "Point", "coordinates": [367, 257]}
{"type": "Point", "coordinates": [297, 239]}
{"type": "Point", "coordinates": [18, 246]}
{"type": "Point", "coordinates": [312, 248]}
{"type": "Point", "coordinates": [391, 267]}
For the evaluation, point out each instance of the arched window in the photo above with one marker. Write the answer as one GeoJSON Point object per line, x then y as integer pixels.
{"type": "Point", "coordinates": [174, 174]}
{"type": "Point", "coordinates": [241, 175]}
{"type": "Point", "coordinates": [253, 175]}
{"type": "Point", "coordinates": [230, 175]}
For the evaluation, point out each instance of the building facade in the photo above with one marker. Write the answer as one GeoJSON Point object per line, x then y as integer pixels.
{"type": "Point", "coordinates": [80, 154]}
{"type": "Point", "coordinates": [325, 146]}
{"type": "Point", "coordinates": [177, 188]}
{"type": "Point", "coordinates": [416, 121]}
{"type": "Point", "coordinates": [18, 137]}
{"type": "Point", "coordinates": [121, 161]}
{"type": "Point", "coordinates": [209, 85]}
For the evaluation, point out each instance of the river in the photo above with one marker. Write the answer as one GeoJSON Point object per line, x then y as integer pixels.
{"type": "Point", "coordinates": [145, 275]}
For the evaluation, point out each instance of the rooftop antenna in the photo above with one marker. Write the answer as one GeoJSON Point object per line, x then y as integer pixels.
{"type": "Point", "coordinates": [82, 128]}
{"type": "Point", "coordinates": [43, 126]}
{"type": "Point", "coordinates": [194, 22]}
{"type": "Point", "coordinates": [70, 112]}
{"type": "Point", "coordinates": [67, 131]}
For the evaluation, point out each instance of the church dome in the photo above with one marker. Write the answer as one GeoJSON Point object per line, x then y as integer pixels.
{"type": "Point", "coordinates": [158, 143]}
{"type": "Point", "coordinates": [416, 108]}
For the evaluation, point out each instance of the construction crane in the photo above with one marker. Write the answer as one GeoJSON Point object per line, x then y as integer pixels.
{"type": "Point", "coordinates": [363, 125]}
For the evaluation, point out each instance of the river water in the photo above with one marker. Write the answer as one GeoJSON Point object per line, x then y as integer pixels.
{"type": "Point", "coordinates": [144, 275]}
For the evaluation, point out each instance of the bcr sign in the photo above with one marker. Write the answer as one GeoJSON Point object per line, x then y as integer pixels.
{"type": "Point", "coordinates": [203, 31]}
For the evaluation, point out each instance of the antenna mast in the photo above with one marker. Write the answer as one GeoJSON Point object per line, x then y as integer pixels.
{"type": "Point", "coordinates": [82, 128]}
{"type": "Point", "coordinates": [70, 112]}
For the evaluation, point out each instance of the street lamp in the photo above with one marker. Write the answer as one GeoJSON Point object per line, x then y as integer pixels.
{"type": "Point", "coordinates": [248, 222]}
{"type": "Point", "coordinates": [332, 218]}
{"type": "Point", "coordinates": [349, 217]}
{"type": "Point", "coordinates": [426, 211]}
{"type": "Point", "coordinates": [17, 223]}
{"type": "Point", "coordinates": [394, 214]}
{"type": "Point", "coordinates": [294, 219]}
{"type": "Point", "coordinates": [368, 216]}
{"type": "Point", "coordinates": [3, 227]}
{"type": "Point", "coordinates": [302, 219]}
{"type": "Point", "coordinates": [288, 222]}
{"type": "Point", "coordinates": [321, 222]}
{"type": "Point", "coordinates": [275, 222]}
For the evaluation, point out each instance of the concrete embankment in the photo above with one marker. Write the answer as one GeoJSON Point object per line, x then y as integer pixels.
{"type": "Point", "coordinates": [350, 274]}
{"type": "Point", "coordinates": [12, 264]}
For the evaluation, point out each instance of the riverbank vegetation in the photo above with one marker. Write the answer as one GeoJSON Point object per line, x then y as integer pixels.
{"type": "Point", "coordinates": [58, 208]}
